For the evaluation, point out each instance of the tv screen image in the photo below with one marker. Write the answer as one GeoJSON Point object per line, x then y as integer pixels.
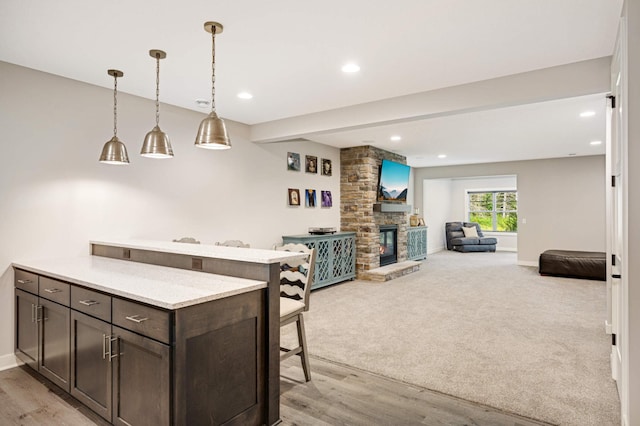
{"type": "Point", "coordinates": [393, 182]}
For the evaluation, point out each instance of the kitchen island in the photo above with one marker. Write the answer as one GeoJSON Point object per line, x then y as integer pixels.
{"type": "Point", "coordinates": [143, 343]}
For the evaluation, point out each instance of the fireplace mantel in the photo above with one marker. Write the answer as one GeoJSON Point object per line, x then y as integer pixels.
{"type": "Point", "coordinates": [391, 208]}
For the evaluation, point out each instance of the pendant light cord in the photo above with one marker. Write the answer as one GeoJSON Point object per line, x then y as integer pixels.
{"type": "Point", "coordinates": [115, 106]}
{"type": "Point", "coordinates": [213, 68]}
{"type": "Point", "coordinates": [157, 89]}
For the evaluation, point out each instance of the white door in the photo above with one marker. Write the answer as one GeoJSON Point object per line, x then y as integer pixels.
{"type": "Point", "coordinates": [616, 208]}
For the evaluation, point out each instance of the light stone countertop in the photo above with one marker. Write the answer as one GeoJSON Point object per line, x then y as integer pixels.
{"type": "Point", "coordinates": [161, 286]}
{"type": "Point", "coordinates": [205, 250]}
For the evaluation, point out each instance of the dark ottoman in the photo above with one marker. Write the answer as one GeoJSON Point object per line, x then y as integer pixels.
{"type": "Point", "coordinates": [590, 265]}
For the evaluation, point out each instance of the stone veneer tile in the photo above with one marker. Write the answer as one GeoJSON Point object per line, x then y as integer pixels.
{"type": "Point", "coordinates": [358, 186]}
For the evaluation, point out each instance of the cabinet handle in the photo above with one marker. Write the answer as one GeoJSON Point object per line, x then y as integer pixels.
{"type": "Point", "coordinates": [136, 318]}
{"type": "Point", "coordinates": [104, 346]}
{"type": "Point", "coordinates": [33, 313]}
{"type": "Point", "coordinates": [52, 290]}
{"type": "Point", "coordinates": [39, 313]}
{"type": "Point", "coordinates": [88, 302]}
{"type": "Point", "coordinates": [25, 281]}
{"type": "Point", "coordinates": [107, 352]}
{"type": "Point", "coordinates": [111, 354]}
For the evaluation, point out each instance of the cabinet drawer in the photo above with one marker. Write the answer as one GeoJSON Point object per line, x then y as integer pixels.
{"type": "Point", "coordinates": [91, 303]}
{"type": "Point", "coordinates": [54, 290]}
{"type": "Point", "coordinates": [26, 281]}
{"type": "Point", "coordinates": [142, 319]}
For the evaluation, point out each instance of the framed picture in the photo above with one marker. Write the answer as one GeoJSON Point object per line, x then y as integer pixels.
{"type": "Point", "coordinates": [294, 197]}
{"type": "Point", "coordinates": [326, 199]}
{"type": "Point", "coordinates": [310, 198]}
{"type": "Point", "coordinates": [293, 161]}
{"type": "Point", "coordinates": [421, 222]}
{"type": "Point", "coordinates": [326, 167]}
{"type": "Point", "coordinates": [311, 164]}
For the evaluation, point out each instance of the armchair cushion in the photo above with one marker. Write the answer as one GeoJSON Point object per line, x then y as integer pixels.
{"type": "Point", "coordinates": [470, 232]}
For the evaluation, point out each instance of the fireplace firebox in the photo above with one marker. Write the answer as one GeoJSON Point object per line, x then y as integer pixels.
{"type": "Point", "coordinates": [388, 244]}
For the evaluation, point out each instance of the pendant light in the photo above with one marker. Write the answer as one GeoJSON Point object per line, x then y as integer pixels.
{"type": "Point", "coordinates": [212, 133]}
{"type": "Point", "coordinates": [114, 151]}
{"type": "Point", "coordinates": [156, 143]}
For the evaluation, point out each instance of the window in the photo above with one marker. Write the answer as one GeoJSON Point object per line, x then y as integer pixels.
{"type": "Point", "coordinates": [494, 210]}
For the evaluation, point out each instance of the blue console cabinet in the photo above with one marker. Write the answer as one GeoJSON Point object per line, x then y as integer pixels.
{"type": "Point", "coordinates": [335, 256]}
{"type": "Point", "coordinates": [416, 243]}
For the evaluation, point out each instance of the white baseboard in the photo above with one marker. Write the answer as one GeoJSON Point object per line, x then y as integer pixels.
{"type": "Point", "coordinates": [9, 361]}
{"type": "Point", "coordinates": [512, 249]}
{"type": "Point", "coordinates": [527, 263]}
{"type": "Point", "coordinates": [435, 250]}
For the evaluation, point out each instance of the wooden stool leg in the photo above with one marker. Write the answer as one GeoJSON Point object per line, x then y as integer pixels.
{"type": "Point", "coordinates": [302, 339]}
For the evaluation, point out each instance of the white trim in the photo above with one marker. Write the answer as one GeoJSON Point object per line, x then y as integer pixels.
{"type": "Point", "coordinates": [9, 361]}
{"type": "Point", "coordinates": [527, 263]}
{"type": "Point", "coordinates": [512, 249]}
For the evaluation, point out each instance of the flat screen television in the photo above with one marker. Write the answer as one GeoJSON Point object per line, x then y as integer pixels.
{"type": "Point", "coordinates": [393, 182]}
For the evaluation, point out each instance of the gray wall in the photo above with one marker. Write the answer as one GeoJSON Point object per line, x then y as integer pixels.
{"type": "Point", "coordinates": [562, 201]}
{"type": "Point", "coordinates": [55, 196]}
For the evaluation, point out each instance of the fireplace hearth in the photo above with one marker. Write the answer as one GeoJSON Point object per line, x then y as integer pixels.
{"type": "Point", "coordinates": [388, 244]}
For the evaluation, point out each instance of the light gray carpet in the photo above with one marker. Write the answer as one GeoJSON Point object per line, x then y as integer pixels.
{"type": "Point", "coordinates": [477, 326]}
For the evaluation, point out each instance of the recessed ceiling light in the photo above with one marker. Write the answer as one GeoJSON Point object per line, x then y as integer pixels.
{"type": "Point", "coordinates": [442, 156]}
{"type": "Point", "coordinates": [245, 95]}
{"type": "Point", "coordinates": [587, 114]}
{"type": "Point", "coordinates": [350, 68]}
{"type": "Point", "coordinates": [595, 143]}
{"type": "Point", "coordinates": [203, 103]}
{"type": "Point", "coordinates": [395, 138]}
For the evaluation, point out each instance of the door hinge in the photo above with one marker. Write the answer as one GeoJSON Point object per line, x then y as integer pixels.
{"type": "Point", "coordinates": [613, 260]}
{"type": "Point", "coordinates": [613, 100]}
{"type": "Point", "coordinates": [613, 181]}
{"type": "Point", "coordinates": [613, 339]}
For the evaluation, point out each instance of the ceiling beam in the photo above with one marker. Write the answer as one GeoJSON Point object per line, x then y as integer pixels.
{"type": "Point", "coordinates": [563, 81]}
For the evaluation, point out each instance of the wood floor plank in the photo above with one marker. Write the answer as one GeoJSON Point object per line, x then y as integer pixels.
{"type": "Point", "coordinates": [342, 395]}
{"type": "Point", "coordinates": [336, 395]}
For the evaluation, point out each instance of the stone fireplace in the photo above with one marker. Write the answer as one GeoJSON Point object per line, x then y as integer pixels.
{"type": "Point", "coordinates": [358, 187]}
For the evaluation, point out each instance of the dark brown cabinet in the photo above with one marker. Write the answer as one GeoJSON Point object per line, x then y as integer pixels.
{"type": "Point", "coordinates": [42, 327]}
{"type": "Point", "coordinates": [91, 365]}
{"type": "Point", "coordinates": [54, 342]}
{"type": "Point", "coordinates": [140, 364]}
{"type": "Point", "coordinates": [141, 379]}
{"type": "Point", "coordinates": [26, 328]}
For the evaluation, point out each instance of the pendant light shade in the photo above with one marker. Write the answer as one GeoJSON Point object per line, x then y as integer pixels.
{"type": "Point", "coordinates": [156, 142]}
{"type": "Point", "coordinates": [114, 151]}
{"type": "Point", "coordinates": [212, 133]}
{"type": "Point", "coordinates": [156, 145]}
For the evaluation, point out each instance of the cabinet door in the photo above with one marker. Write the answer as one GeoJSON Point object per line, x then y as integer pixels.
{"type": "Point", "coordinates": [141, 380]}
{"type": "Point", "coordinates": [54, 342]}
{"type": "Point", "coordinates": [27, 328]}
{"type": "Point", "coordinates": [91, 366]}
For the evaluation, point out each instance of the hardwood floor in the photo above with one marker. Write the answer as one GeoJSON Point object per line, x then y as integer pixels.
{"type": "Point", "coordinates": [336, 395]}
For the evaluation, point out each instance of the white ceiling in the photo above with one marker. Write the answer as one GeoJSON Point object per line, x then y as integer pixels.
{"type": "Point", "coordinates": [288, 54]}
